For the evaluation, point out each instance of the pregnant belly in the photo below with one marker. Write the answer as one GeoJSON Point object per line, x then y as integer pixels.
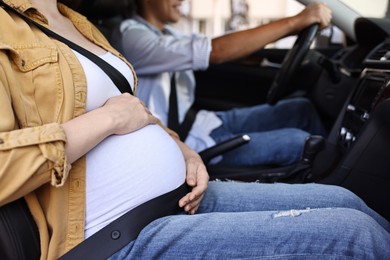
{"type": "Point", "coordinates": [126, 170]}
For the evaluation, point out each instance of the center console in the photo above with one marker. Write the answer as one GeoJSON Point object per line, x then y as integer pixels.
{"type": "Point", "coordinates": [372, 90]}
{"type": "Point", "coordinates": [363, 135]}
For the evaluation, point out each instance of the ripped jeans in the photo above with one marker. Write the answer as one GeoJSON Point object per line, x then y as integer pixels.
{"type": "Point", "coordinates": [271, 221]}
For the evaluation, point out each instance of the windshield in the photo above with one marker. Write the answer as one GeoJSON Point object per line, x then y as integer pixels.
{"type": "Point", "coordinates": [371, 8]}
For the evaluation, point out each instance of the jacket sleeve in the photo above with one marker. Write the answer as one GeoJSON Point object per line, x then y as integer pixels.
{"type": "Point", "coordinates": [29, 157]}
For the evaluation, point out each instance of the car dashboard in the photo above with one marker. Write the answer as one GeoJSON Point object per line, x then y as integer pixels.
{"type": "Point", "coordinates": [361, 134]}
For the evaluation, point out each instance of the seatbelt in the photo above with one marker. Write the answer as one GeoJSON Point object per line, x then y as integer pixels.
{"type": "Point", "coordinates": [126, 228]}
{"type": "Point", "coordinates": [173, 113]}
{"type": "Point", "coordinates": [186, 125]}
{"type": "Point", "coordinates": [119, 80]}
{"type": "Point", "coordinates": [173, 110]}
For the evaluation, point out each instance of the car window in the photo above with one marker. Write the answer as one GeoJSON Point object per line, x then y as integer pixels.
{"type": "Point", "coordinates": [215, 18]}
{"type": "Point", "coordinates": [218, 17]}
{"type": "Point", "coordinates": [372, 8]}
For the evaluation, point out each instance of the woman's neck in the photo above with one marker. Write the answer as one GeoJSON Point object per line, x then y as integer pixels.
{"type": "Point", "coordinates": [47, 7]}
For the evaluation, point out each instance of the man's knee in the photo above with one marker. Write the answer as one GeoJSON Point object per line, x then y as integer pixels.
{"type": "Point", "coordinates": [302, 105]}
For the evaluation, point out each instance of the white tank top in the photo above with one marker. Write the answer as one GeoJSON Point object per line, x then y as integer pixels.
{"type": "Point", "coordinates": [125, 171]}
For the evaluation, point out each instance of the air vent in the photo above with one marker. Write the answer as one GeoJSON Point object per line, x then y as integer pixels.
{"type": "Point", "coordinates": [379, 57]}
{"type": "Point", "coordinates": [382, 53]}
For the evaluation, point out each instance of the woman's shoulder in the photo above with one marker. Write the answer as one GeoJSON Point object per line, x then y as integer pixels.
{"type": "Point", "coordinates": [10, 28]}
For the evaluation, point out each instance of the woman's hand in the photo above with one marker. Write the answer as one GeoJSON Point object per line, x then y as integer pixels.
{"type": "Point", "coordinates": [119, 115]}
{"type": "Point", "coordinates": [128, 113]}
{"type": "Point", "coordinates": [197, 178]}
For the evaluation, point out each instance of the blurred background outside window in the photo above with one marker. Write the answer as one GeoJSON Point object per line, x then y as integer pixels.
{"type": "Point", "coordinates": [217, 17]}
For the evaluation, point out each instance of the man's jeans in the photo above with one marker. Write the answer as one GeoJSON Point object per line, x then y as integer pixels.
{"type": "Point", "coordinates": [267, 221]}
{"type": "Point", "coordinates": [278, 132]}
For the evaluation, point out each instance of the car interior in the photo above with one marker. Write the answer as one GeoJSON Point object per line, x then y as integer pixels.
{"type": "Point", "coordinates": [348, 84]}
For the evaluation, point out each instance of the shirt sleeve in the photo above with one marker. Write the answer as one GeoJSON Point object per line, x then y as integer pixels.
{"type": "Point", "coordinates": [153, 53]}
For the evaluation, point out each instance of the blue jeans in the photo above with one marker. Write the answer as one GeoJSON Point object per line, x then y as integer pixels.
{"type": "Point", "coordinates": [272, 221]}
{"type": "Point", "coordinates": [278, 132]}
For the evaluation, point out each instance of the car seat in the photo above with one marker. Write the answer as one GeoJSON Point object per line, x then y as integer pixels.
{"type": "Point", "coordinates": [19, 238]}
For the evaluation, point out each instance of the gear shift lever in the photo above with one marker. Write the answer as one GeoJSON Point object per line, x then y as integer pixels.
{"type": "Point", "coordinates": [313, 145]}
{"type": "Point", "coordinates": [302, 171]}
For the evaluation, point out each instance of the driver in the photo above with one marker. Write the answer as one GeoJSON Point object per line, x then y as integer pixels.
{"type": "Point", "coordinates": [162, 56]}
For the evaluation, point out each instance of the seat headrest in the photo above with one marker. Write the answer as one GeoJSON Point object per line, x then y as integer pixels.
{"type": "Point", "coordinates": [103, 9]}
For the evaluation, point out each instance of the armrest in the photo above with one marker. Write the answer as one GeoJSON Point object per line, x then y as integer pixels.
{"type": "Point", "coordinates": [223, 147]}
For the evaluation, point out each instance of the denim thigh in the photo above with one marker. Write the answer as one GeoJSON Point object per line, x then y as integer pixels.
{"type": "Point", "coordinates": [234, 228]}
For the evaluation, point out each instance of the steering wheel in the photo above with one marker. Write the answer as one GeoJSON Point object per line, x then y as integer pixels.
{"type": "Point", "coordinates": [281, 86]}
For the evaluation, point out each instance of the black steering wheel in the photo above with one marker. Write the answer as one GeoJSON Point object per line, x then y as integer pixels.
{"type": "Point", "coordinates": [281, 86]}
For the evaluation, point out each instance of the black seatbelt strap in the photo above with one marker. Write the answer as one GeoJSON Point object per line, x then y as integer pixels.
{"type": "Point", "coordinates": [173, 110]}
{"type": "Point", "coordinates": [119, 80]}
{"type": "Point", "coordinates": [126, 228]}
{"type": "Point", "coordinates": [173, 113]}
{"type": "Point", "coordinates": [186, 125]}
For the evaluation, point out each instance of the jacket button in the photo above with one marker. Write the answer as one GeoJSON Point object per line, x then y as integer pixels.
{"type": "Point", "coordinates": [23, 63]}
{"type": "Point", "coordinates": [1, 141]}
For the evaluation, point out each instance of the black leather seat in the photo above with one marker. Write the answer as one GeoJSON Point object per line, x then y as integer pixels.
{"type": "Point", "coordinates": [19, 238]}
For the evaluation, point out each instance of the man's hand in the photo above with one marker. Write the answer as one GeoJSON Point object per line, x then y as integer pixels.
{"type": "Point", "coordinates": [315, 13]}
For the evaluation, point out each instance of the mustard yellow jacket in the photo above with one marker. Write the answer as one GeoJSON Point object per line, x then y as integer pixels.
{"type": "Point", "coordinates": [42, 85]}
